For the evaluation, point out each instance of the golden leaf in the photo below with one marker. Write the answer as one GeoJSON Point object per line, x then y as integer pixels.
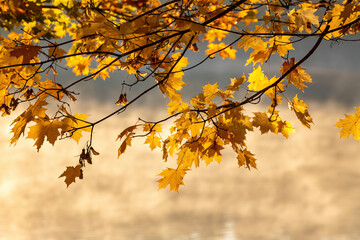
{"type": "Point", "coordinates": [172, 177]}
{"type": "Point", "coordinates": [257, 79]}
{"type": "Point", "coordinates": [245, 157]}
{"type": "Point", "coordinates": [210, 91]}
{"type": "Point", "coordinates": [350, 125]}
{"type": "Point", "coordinates": [154, 141]}
{"type": "Point", "coordinates": [127, 131]}
{"type": "Point", "coordinates": [236, 82]}
{"type": "Point", "coordinates": [126, 142]}
{"type": "Point", "coordinates": [222, 49]}
{"type": "Point", "coordinates": [301, 110]}
{"type": "Point", "coordinates": [262, 121]}
{"type": "Point", "coordinates": [45, 127]}
{"type": "Point", "coordinates": [33, 111]}
{"type": "Point", "coordinates": [71, 123]}
{"type": "Point", "coordinates": [71, 173]}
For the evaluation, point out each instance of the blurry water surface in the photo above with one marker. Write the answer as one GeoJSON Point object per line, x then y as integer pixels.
{"type": "Point", "coordinates": [306, 187]}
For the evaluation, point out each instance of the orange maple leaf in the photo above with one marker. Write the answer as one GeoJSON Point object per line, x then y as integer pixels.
{"type": "Point", "coordinates": [28, 52]}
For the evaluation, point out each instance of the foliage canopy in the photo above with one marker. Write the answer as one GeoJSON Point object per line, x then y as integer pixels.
{"type": "Point", "coordinates": [150, 40]}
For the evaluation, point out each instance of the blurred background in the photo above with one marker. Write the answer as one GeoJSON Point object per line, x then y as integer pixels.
{"type": "Point", "coordinates": [306, 187]}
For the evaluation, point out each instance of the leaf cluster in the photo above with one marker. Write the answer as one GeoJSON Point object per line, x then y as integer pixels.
{"type": "Point", "coordinates": [150, 40]}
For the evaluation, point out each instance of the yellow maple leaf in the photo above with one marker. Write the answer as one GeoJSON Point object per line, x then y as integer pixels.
{"type": "Point", "coordinates": [301, 110]}
{"type": "Point", "coordinates": [257, 79]}
{"type": "Point", "coordinates": [298, 77]}
{"type": "Point", "coordinates": [154, 141]}
{"type": "Point", "coordinates": [45, 127]}
{"type": "Point", "coordinates": [262, 121]}
{"type": "Point", "coordinates": [169, 86]}
{"type": "Point", "coordinates": [250, 41]}
{"type": "Point", "coordinates": [222, 49]}
{"type": "Point", "coordinates": [281, 44]}
{"type": "Point", "coordinates": [172, 177]}
{"type": "Point", "coordinates": [51, 88]}
{"type": "Point", "coordinates": [177, 106]}
{"type": "Point", "coordinates": [236, 82]}
{"type": "Point", "coordinates": [151, 127]}
{"type": "Point", "coordinates": [213, 152]}
{"type": "Point", "coordinates": [245, 157]}
{"type": "Point", "coordinates": [33, 111]}
{"type": "Point", "coordinates": [285, 128]}
{"type": "Point", "coordinates": [171, 145]}
{"type": "Point", "coordinates": [304, 18]}
{"type": "Point", "coordinates": [81, 64]}
{"type": "Point", "coordinates": [56, 52]}
{"type": "Point", "coordinates": [350, 125]}
{"type": "Point", "coordinates": [213, 34]}
{"type": "Point", "coordinates": [71, 123]}
{"type": "Point", "coordinates": [71, 173]}
{"type": "Point", "coordinates": [209, 91]}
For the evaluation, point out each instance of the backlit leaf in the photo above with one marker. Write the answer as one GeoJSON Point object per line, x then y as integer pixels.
{"type": "Point", "coordinates": [350, 125]}
{"type": "Point", "coordinates": [172, 177]}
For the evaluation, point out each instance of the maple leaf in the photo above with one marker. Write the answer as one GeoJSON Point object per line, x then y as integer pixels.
{"type": "Point", "coordinates": [213, 152]}
{"type": "Point", "coordinates": [172, 177]}
{"type": "Point", "coordinates": [154, 141]}
{"type": "Point", "coordinates": [213, 34]}
{"type": "Point", "coordinates": [71, 123]}
{"type": "Point", "coordinates": [262, 120]}
{"type": "Point", "coordinates": [27, 52]}
{"type": "Point", "coordinates": [71, 173]}
{"type": "Point", "coordinates": [45, 127]}
{"type": "Point", "coordinates": [298, 77]}
{"type": "Point", "coordinates": [236, 82]}
{"type": "Point", "coordinates": [254, 42]}
{"type": "Point", "coordinates": [304, 18]}
{"type": "Point", "coordinates": [301, 110]}
{"type": "Point", "coordinates": [33, 111]}
{"type": "Point", "coordinates": [350, 125]}
{"type": "Point", "coordinates": [282, 45]}
{"type": "Point", "coordinates": [285, 128]}
{"type": "Point", "coordinates": [287, 65]}
{"type": "Point", "coordinates": [164, 150]}
{"type": "Point", "coordinates": [81, 64]}
{"type": "Point", "coordinates": [222, 49]}
{"type": "Point", "coordinates": [245, 157]}
{"type": "Point", "coordinates": [126, 131]}
{"type": "Point", "coordinates": [125, 143]}
{"type": "Point", "coordinates": [347, 10]}
{"type": "Point", "coordinates": [56, 52]}
{"type": "Point", "coordinates": [257, 79]}
{"type": "Point", "coordinates": [171, 145]}
{"type": "Point", "coordinates": [177, 106]}
{"type": "Point", "coordinates": [153, 127]}
{"type": "Point", "coordinates": [51, 88]}
{"type": "Point", "coordinates": [210, 91]}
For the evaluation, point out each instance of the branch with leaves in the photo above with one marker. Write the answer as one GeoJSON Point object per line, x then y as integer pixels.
{"type": "Point", "coordinates": [150, 40]}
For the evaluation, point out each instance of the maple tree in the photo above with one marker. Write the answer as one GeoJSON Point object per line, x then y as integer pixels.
{"type": "Point", "coordinates": [150, 40]}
